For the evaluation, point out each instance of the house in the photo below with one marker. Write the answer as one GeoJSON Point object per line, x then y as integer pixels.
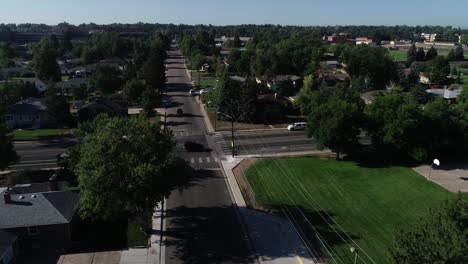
{"type": "Point", "coordinates": [423, 78]}
{"type": "Point", "coordinates": [29, 113]}
{"type": "Point", "coordinates": [101, 106]}
{"type": "Point", "coordinates": [68, 86]}
{"type": "Point", "coordinates": [450, 94]}
{"type": "Point", "coordinates": [40, 216]}
{"type": "Point", "coordinates": [369, 97]}
{"type": "Point", "coordinates": [9, 247]}
{"type": "Point", "coordinates": [429, 37]}
{"type": "Point", "coordinates": [366, 41]}
{"type": "Point", "coordinates": [336, 38]}
{"type": "Point", "coordinates": [10, 72]}
{"type": "Point", "coordinates": [41, 86]}
{"type": "Point", "coordinates": [271, 82]}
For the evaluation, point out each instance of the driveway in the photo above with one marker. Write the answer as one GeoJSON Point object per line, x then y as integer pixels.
{"type": "Point", "coordinates": [453, 177]}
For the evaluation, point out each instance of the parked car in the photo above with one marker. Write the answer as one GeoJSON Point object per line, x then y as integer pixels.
{"type": "Point", "coordinates": [167, 103]}
{"type": "Point", "coordinates": [202, 91]}
{"type": "Point", "coordinates": [297, 126]}
{"type": "Point", "coordinates": [193, 92]}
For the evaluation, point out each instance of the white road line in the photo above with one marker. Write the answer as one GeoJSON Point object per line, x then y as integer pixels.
{"type": "Point", "coordinates": [216, 159]}
{"type": "Point", "coordinates": [208, 159]}
{"type": "Point", "coordinates": [200, 160]}
{"type": "Point", "coordinates": [192, 160]}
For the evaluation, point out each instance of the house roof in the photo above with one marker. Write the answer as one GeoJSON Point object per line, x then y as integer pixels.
{"type": "Point", "coordinates": [49, 208]}
{"type": "Point", "coordinates": [6, 241]}
{"type": "Point", "coordinates": [29, 188]}
{"type": "Point", "coordinates": [102, 105]}
{"type": "Point", "coordinates": [237, 78]}
{"type": "Point", "coordinates": [30, 106]}
{"type": "Point", "coordinates": [445, 93]}
{"type": "Point", "coordinates": [75, 82]}
{"type": "Point", "coordinates": [280, 78]}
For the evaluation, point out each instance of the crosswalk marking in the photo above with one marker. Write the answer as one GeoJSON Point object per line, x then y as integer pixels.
{"type": "Point", "coordinates": [200, 160]}
{"type": "Point", "coordinates": [208, 159]}
{"type": "Point", "coordinates": [216, 159]}
{"type": "Point", "coordinates": [192, 160]}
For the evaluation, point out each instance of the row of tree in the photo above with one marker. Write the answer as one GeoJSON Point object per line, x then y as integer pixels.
{"type": "Point", "coordinates": [395, 121]}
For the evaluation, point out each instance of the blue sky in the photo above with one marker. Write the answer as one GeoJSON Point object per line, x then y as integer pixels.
{"type": "Point", "coordinates": [223, 12]}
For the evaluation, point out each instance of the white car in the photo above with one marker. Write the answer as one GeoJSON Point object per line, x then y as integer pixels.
{"type": "Point", "coordinates": [193, 92]}
{"type": "Point", "coordinates": [202, 91]}
{"type": "Point", "coordinates": [297, 126]}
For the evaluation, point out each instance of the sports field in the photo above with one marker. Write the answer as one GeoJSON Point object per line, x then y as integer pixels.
{"type": "Point", "coordinates": [348, 205]}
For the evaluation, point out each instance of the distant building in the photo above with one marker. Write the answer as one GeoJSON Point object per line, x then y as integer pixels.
{"type": "Point", "coordinates": [429, 37]}
{"type": "Point", "coordinates": [67, 87]}
{"type": "Point", "coordinates": [29, 113]}
{"type": "Point", "coordinates": [280, 78]}
{"type": "Point", "coordinates": [38, 217]}
{"type": "Point", "coordinates": [336, 38]}
{"type": "Point", "coordinates": [450, 94]}
{"type": "Point", "coordinates": [366, 41]}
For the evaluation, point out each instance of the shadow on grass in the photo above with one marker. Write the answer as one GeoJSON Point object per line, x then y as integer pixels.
{"type": "Point", "coordinates": [316, 227]}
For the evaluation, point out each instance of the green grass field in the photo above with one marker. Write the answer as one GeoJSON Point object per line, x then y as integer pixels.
{"type": "Point", "coordinates": [346, 202]}
{"type": "Point", "coordinates": [35, 134]}
{"type": "Point", "coordinates": [398, 55]}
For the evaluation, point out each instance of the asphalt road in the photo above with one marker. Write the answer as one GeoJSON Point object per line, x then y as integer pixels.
{"type": "Point", "coordinates": [35, 155]}
{"type": "Point", "coordinates": [201, 221]}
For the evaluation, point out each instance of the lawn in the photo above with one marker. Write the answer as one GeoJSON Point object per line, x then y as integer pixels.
{"type": "Point", "coordinates": [135, 238]}
{"type": "Point", "coordinates": [399, 55]}
{"type": "Point", "coordinates": [36, 134]}
{"type": "Point", "coordinates": [346, 202]}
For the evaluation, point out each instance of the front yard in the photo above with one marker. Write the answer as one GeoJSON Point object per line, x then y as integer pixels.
{"type": "Point", "coordinates": [36, 134]}
{"type": "Point", "coordinates": [345, 202]}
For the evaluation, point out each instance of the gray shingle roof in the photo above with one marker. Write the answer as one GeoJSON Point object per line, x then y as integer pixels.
{"type": "Point", "coordinates": [44, 209]}
{"type": "Point", "coordinates": [30, 106]}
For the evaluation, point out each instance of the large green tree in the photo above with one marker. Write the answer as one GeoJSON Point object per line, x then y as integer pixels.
{"type": "Point", "coordinates": [438, 70]}
{"type": "Point", "coordinates": [45, 61]}
{"type": "Point", "coordinates": [335, 122]}
{"type": "Point", "coordinates": [431, 54]}
{"type": "Point", "coordinates": [106, 79]}
{"type": "Point", "coordinates": [57, 108]}
{"type": "Point", "coordinates": [6, 55]}
{"type": "Point", "coordinates": [441, 237]}
{"type": "Point", "coordinates": [133, 90]}
{"type": "Point", "coordinates": [124, 167]}
{"type": "Point", "coordinates": [459, 53]}
{"type": "Point", "coordinates": [394, 120]}
{"type": "Point", "coordinates": [373, 64]}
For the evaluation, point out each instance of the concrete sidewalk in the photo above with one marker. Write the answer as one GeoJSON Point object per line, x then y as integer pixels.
{"type": "Point", "coordinates": [273, 238]}
{"type": "Point", "coordinates": [453, 177]}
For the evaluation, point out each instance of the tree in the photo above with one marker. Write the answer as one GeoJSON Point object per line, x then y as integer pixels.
{"type": "Point", "coordinates": [461, 113]}
{"type": "Point", "coordinates": [7, 150]}
{"type": "Point", "coordinates": [439, 238]}
{"type": "Point", "coordinates": [393, 123]}
{"type": "Point", "coordinates": [45, 61]}
{"type": "Point", "coordinates": [431, 54]}
{"type": "Point", "coordinates": [335, 123]}
{"type": "Point", "coordinates": [106, 79]}
{"type": "Point", "coordinates": [57, 108]}
{"type": "Point", "coordinates": [133, 90]}
{"type": "Point", "coordinates": [6, 55]}
{"type": "Point", "coordinates": [451, 55]}
{"type": "Point", "coordinates": [459, 53]}
{"type": "Point", "coordinates": [304, 97]}
{"type": "Point", "coordinates": [411, 55]}
{"type": "Point", "coordinates": [418, 92]}
{"type": "Point", "coordinates": [247, 102]}
{"type": "Point", "coordinates": [66, 44]}
{"type": "Point", "coordinates": [373, 64]}
{"type": "Point", "coordinates": [439, 70]}
{"type": "Point", "coordinates": [420, 55]}
{"type": "Point", "coordinates": [153, 71]}
{"type": "Point", "coordinates": [150, 101]}
{"type": "Point", "coordinates": [124, 167]}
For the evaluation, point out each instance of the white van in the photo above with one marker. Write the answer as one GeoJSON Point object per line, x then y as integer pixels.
{"type": "Point", "coordinates": [297, 126]}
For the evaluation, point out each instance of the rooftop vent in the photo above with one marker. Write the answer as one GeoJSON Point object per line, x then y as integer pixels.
{"type": "Point", "coordinates": [21, 197]}
{"type": "Point", "coordinates": [33, 196]}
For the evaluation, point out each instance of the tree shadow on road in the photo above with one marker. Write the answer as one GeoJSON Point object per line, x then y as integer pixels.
{"type": "Point", "coordinates": [205, 235]}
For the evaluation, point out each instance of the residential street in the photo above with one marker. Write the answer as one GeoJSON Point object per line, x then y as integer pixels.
{"type": "Point", "coordinates": [35, 155]}
{"type": "Point", "coordinates": [202, 226]}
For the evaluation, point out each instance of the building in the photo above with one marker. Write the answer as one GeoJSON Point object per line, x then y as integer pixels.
{"type": "Point", "coordinates": [429, 37]}
{"type": "Point", "coordinates": [450, 94]}
{"type": "Point", "coordinates": [40, 216]}
{"type": "Point", "coordinates": [67, 87]}
{"type": "Point", "coordinates": [366, 41]}
{"type": "Point", "coordinates": [102, 106]}
{"type": "Point", "coordinates": [29, 113]}
{"type": "Point", "coordinates": [271, 82]}
{"type": "Point", "coordinates": [336, 38]}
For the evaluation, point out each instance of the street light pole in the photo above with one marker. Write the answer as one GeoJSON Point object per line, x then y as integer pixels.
{"type": "Point", "coordinates": [232, 132]}
{"type": "Point", "coordinates": [355, 252]}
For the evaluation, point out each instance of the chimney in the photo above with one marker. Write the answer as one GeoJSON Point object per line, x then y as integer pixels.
{"type": "Point", "coordinates": [53, 184]}
{"type": "Point", "coordinates": [7, 197]}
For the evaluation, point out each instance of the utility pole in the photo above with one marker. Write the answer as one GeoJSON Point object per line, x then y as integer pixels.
{"type": "Point", "coordinates": [232, 138]}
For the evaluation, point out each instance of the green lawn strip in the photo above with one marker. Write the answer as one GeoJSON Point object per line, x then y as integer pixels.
{"type": "Point", "coordinates": [36, 134]}
{"type": "Point", "coordinates": [369, 204]}
{"type": "Point", "coordinates": [399, 55]}
{"type": "Point", "coordinates": [135, 238]}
